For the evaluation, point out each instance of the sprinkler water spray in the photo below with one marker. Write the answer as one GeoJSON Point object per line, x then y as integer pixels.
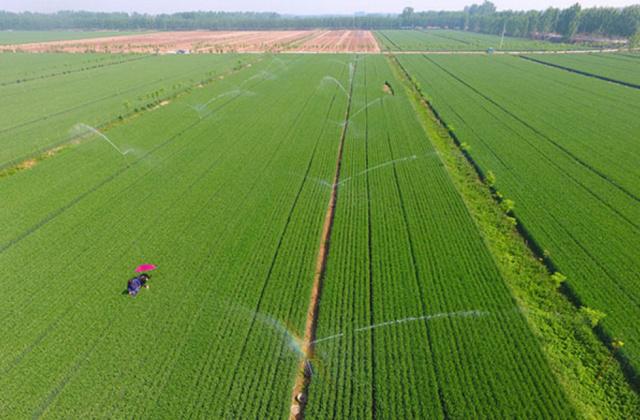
{"type": "Point", "coordinates": [385, 164]}
{"type": "Point", "coordinates": [364, 108]}
{"type": "Point", "coordinates": [87, 129]}
{"type": "Point", "coordinates": [200, 108]}
{"type": "Point", "coordinates": [334, 80]}
{"type": "Point", "coordinates": [460, 314]}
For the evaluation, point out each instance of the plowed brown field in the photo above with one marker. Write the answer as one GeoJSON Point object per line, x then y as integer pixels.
{"type": "Point", "coordinates": [342, 41]}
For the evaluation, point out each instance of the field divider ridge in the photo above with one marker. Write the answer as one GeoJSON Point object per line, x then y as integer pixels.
{"type": "Point", "coordinates": [580, 72]}
{"type": "Point", "coordinates": [303, 378]}
{"type": "Point", "coordinates": [565, 301]}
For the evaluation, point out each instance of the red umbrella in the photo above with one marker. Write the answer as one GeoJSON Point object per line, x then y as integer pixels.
{"type": "Point", "coordinates": [145, 267]}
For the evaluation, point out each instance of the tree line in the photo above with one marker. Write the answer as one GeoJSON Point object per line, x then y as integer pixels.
{"type": "Point", "coordinates": [605, 21]}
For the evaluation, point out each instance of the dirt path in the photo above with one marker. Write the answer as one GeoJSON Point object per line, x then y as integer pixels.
{"type": "Point", "coordinates": [303, 378]}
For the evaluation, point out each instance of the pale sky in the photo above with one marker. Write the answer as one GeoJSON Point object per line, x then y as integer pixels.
{"type": "Point", "coordinates": [285, 6]}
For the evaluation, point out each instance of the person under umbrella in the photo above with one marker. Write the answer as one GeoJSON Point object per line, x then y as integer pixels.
{"type": "Point", "coordinates": [135, 284]}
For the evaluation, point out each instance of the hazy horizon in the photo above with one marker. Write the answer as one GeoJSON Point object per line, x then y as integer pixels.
{"type": "Point", "coordinates": [285, 6]}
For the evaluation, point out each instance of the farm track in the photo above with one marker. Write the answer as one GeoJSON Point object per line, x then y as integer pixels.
{"type": "Point", "coordinates": [44, 405]}
{"type": "Point", "coordinates": [303, 378]}
{"type": "Point", "coordinates": [583, 73]}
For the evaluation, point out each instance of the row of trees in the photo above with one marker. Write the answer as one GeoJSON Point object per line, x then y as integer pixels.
{"type": "Point", "coordinates": [188, 21]}
{"type": "Point", "coordinates": [606, 21]}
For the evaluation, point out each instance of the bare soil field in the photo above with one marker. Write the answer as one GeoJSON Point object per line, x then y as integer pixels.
{"type": "Point", "coordinates": [316, 41]}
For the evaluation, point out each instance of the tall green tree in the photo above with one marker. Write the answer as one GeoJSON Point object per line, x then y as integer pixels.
{"type": "Point", "coordinates": [569, 20]}
{"type": "Point", "coordinates": [634, 42]}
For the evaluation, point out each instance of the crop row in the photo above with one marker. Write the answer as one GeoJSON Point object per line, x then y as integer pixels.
{"type": "Point", "coordinates": [16, 68]}
{"type": "Point", "coordinates": [560, 147]}
{"type": "Point", "coordinates": [21, 72]}
{"type": "Point", "coordinates": [415, 320]}
{"type": "Point", "coordinates": [35, 196]}
{"type": "Point", "coordinates": [450, 40]}
{"type": "Point", "coordinates": [228, 204]}
{"type": "Point", "coordinates": [41, 113]}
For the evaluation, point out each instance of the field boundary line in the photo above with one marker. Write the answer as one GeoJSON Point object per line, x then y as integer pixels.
{"type": "Point", "coordinates": [303, 378]}
{"type": "Point", "coordinates": [536, 294]}
{"type": "Point", "coordinates": [581, 72]}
